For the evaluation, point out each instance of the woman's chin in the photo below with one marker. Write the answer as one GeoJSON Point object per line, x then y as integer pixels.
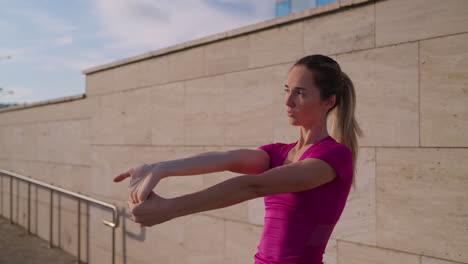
{"type": "Point", "coordinates": [293, 121]}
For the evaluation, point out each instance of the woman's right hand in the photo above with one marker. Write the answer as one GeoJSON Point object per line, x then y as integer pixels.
{"type": "Point", "coordinates": [143, 179]}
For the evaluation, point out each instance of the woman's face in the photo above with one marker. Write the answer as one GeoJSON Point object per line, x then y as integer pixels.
{"type": "Point", "coordinates": [302, 98]}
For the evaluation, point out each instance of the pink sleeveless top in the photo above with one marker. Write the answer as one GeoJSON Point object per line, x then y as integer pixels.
{"type": "Point", "coordinates": [298, 225]}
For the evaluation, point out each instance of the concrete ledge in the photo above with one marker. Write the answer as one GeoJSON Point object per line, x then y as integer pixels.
{"type": "Point", "coordinates": [312, 12]}
{"type": "Point", "coordinates": [45, 102]}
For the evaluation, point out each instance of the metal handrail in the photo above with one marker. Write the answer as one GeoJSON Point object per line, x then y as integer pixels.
{"type": "Point", "coordinates": [79, 197]}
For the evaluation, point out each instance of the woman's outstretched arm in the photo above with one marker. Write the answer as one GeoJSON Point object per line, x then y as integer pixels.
{"type": "Point", "coordinates": [157, 210]}
{"type": "Point", "coordinates": [144, 178]}
{"type": "Point", "coordinates": [245, 161]}
{"type": "Point", "coordinates": [208, 162]}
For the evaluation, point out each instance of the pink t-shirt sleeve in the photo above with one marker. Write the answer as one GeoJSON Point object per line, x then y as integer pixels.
{"type": "Point", "coordinates": [270, 149]}
{"type": "Point", "coordinates": [339, 157]}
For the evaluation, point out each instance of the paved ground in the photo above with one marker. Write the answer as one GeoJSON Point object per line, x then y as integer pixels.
{"type": "Point", "coordinates": [17, 247]}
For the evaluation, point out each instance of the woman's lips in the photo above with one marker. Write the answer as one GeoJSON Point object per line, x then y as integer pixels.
{"type": "Point", "coordinates": [290, 114]}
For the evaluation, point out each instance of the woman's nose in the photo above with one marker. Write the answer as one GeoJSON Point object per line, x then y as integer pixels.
{"type": "Point", "coordinates": [289, 101]}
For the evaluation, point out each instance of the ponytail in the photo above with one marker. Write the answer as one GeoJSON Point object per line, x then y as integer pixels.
{"type": "Point", "coordinates": [345, 127]}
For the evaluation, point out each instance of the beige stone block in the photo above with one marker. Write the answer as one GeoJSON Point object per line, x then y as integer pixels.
{"type": "Point", "coordinates": [18, 134]}
{"type": "Point", "coordinates": [38, 141]}
{"type": "Point", "coordinates": [100, 82]}
{"type": "Point", "coordinates": [256, 211]}
{"type": "Point", "coordinates": [57, 141]}
{"type": "Point", "coordinates": [137, 117]}
{"type": "Point", "coordinates": [348, 30]}
{"type": "Point", "coordinates": [185, 64]}
{"type": "Point", "coordinates": [59, 175]}
{"type": "Point", "coordinates": [351, 253]}
{"type": "Point", "coordinates": [4, 139]}
{"type": "Point", "coordinates": [120, 78]}
{"type": "Point", "coordinates": [19, 166]}
{"type": "Point", "coordinates": [204, 239]}
{"type": "Point", "coordinates": [83, 108]}
{"type": "Point", "coordinates": [204, 122]}
{"type": "Point", "coordinates": [125, 77]}
{"type": "Point", "coordinates": [429, 260]}
{"type": "Point", "coordinates": [28, 149]}
{"type": "Point", "coordinates": [81, 179]}
{"type": "Point", "coordinates": [40, 171]}
{"type": "Point", "coordinates": [108, 162]}
{"type": "Point", "coordinates": [167, 114]}
{"type": "Point", "coordinates": [57, 110]}
{"type": "Point", "coordinates": [8, 138]}
{"type": "Point", "coordinates": [402, 21]}
{"type": "Point", "coordinates": [69, 142]}
{"type": "Point", "coordinates": [241, 242]}
{"type": "Point", "coordinates": [18, 116]}
{"type": "Point", "coordinates": [444, 91]}
{"type": "Point", "coordinates": [421, 193]}
{"type": "Point", "coordinates": [227, 55]}
{"type": "Point", "coordinates": [357, 222]}
{"type": "Point", "coordinates": [107, 126]}
{"type": "Point", "coordinates": [153, 71]}
{"type": "Point", "coordinates": [331, 252]}
{"type": "Point", "coordinates": [249, 105]}
{"type": "Point", "coordinates": [50, 112]}
{"type": "Point", "coordinates": [276, 45]}
{"type": "Point", "coordinates": [386, 84]}
{"type": "Point", "coordinates": [153, 154]}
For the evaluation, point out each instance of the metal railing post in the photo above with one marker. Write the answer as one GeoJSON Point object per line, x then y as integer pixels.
{"type": "Point", "coordinates": [79, 232]}
{"type": "Point", "coordinates": [51, 218]}
{"type": "Point", "coordinates": [113, 239]}
{"type": "Point", "coordinates": [11, 200]}
{"type": "Point", "coordinates": [29, 208]}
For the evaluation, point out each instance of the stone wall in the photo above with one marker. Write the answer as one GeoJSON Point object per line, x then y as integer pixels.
{"type": "Point", "coordinates": [408, 61]}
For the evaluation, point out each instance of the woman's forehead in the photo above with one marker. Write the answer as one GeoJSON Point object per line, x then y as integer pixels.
{"type": "Point", "coordinates": [300, 76]}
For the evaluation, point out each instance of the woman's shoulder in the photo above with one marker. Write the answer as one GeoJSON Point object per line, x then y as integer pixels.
{"type": "Point", "coordinates": [276, 145]}
{"type": "Point", "coordinates": [276, 148]}
{"type": "Point", "coordinates": [334, 146]}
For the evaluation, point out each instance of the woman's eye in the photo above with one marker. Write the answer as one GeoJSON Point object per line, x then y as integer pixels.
{"type": "Point", "coordinates": [298, 92]}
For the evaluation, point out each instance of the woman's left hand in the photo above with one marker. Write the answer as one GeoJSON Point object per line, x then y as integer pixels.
{"type": "Point", "coordinates": [155, 210]}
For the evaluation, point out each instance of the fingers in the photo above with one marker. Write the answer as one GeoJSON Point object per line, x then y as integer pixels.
{"type": "Point", "coordinates": [143, 195]}
{"type": "Point", "coordinates": [130, 206]}
{"type": "Point", "coordinates": [135, 218]}
{"type": "Point", "coordinates": [133, 195]}
{"type": "Point", "coordinates": [121, 177]}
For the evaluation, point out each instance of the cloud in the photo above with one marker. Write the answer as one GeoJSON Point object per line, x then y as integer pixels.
{"type": "Point", "coordinates": [150, 25]}
{"type": "Point", "coordinates": [42, 19]}
{"type": "Point", "coordinates": [64, 40]}
{"type": "Point", "coordinates": [75, 62]}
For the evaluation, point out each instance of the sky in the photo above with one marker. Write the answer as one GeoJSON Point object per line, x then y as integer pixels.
{"type": "Point", "coordinates": [46, 44]}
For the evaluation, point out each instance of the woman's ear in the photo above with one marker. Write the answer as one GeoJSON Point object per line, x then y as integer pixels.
{"type": "Point", "coordinates": [331, 101]}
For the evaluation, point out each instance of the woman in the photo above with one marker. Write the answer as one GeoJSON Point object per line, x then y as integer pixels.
{"type": "Point", "coordinates": [305, 184]}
